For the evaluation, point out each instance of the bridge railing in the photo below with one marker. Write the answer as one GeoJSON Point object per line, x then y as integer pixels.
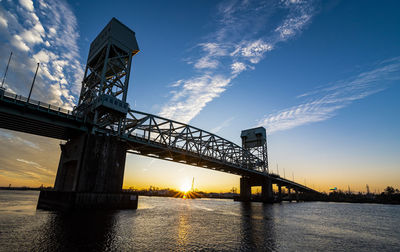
{"type": "Point", "coordinates": [21, 99]}
{"type": "Point", "coordinates": [174, 135]}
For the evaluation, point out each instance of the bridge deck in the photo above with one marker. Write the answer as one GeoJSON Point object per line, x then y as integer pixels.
{"type": "Point", "coordinates": [38, 118]}
{"type": "Point", "coordinates": [145, 134]}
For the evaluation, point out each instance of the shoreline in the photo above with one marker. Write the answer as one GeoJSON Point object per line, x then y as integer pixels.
{"type": "Point", "coordinates": [232, 197]}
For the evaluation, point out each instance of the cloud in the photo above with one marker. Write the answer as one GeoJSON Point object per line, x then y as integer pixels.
{"type": "Point", "coordinates": [29, 29]}
{"type": "Point", "coordinates": [224, 124]}
{"type": "Point", "coordinates": [38, 169]}
{"type": "Point", "coordinates": [238, 67]}
{"type": "Point", "coordinates": [177, 83]}
{"type": "Point", "coordinates": [196, 93]}
{"type": "Point", "coordinates": [31, 168]}
{"type": "Point", "coordinates": [212, 52]}
{"type": "Point", "coordinates": [292, 25]}
{"type": "Point", "coordinates": [27, 4]}
{"type": "Point", "coordinates": [18, 43]}
{"type": "Point", "coordinates": [44, 56]}
{"type": "Point", "coordinates": [3, 22]}
{"type": "Point", "coordinates": [324, 102]}
{"type": "Point", "coordinates": [206, 62]}
{"type": "Point", "coordinates": [16, 140]}
{"type": "Point", "coordinates": [28, 162]}
{"type": "Point", "coordinates": [253, 50]}
{"type": "Point", "coordinates": [246, 31]}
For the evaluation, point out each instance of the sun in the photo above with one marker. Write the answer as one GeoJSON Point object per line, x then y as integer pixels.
{"type": "Point", "coordinates": [185, 187]}
{"type": "Point", "coordinates": [186, 190]}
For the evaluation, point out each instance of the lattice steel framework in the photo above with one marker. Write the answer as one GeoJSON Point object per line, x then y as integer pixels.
{"type": "Point", "coordinates": [255, 141]}
{"type": "Point", "coordinates": [172, 138]}
{"type": "Point", "coordinates": [105, 83]}
{"type": "Point", "coordinates": [103, 103]}
{"type": "Point", "coordinates": [106, 74]}
{"type": "Point", "coordinates": [261, 153]}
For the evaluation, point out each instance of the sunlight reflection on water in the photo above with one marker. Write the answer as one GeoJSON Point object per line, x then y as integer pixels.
{"type": "Point", "coordinates": [169, 224]}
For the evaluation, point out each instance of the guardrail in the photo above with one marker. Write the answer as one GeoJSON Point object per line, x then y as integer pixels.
{"type": "Point", "coordinates": [38, 104]}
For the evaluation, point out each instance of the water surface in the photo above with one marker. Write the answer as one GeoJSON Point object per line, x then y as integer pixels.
{"type": "Point", "coordinates": [169, 224]}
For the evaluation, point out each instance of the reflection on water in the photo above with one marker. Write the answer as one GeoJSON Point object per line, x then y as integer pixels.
{"type": "Point", "coordinates": [86, 231]}
{"type": "Point", "coordinates": [257, 229]}
{"type": "Point", "coordinates": [183, 228]}
{"type": "Point", "coordinates": [168, 224]}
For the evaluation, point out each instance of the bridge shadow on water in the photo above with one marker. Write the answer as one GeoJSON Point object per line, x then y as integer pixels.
{"type": "Point", "coordinates": [257, 227]}
{"type": "Point", "coordinates": [84, 231]}
{"type": "Point", "coordinates": [251, 229]}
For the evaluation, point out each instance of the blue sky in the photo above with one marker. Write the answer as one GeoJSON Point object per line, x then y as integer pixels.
{"type": "Point", "coordinates": [321, 76]}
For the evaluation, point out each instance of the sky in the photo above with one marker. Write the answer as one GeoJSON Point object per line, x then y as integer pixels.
{"type": "Point", "coordinates": [323, 77]}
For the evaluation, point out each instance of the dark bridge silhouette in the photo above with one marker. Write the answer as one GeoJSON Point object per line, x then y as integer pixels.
{"type": "Point", "coordinates": [102, 129]}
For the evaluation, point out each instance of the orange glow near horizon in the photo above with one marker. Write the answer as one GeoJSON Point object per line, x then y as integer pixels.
{"type": "Point", "coordinates": [36, 164]}
{"type": "Point", "coordinates": [185, 187]}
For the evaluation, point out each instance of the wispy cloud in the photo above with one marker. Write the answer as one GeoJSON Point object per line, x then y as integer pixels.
{"type": "Point", "coordinates": [32, 167]}
{"type": "Point", "coordinates": [38, 170]}
{"type": "Point", "coordinates": [224, 124]}
{"type": "Point", "coordinates": [12, 139]}
{"type": "Point", "coordinates": [28, 162]}
{"type": "Point", "coordinates": [246, 31]}
{"type": "Point", "coordinates": [25, 169]}
{"type": "Point", "coordinates": [323, 103]}
{"type": "Point", "coordinates": [45, 32]}
{"type": "Point", "coordinates": [193, 95]}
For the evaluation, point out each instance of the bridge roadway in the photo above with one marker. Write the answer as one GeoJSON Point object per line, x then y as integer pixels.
{"type": "Point", "coordinates": [144, 133]}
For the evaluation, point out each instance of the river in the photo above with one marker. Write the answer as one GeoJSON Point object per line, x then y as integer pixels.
{"type": "Point", "coordinates": [171, 224]}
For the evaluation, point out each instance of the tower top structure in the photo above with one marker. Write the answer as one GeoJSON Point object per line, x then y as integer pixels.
{"type": "Point", "coordinates": [105, 83]}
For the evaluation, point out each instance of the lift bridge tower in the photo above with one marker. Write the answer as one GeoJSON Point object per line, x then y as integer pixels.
{"type": "Point", "coordinates": [255, 141]}
{"type": "Point", "coordinates": [105, 84]}
{"type": "Point", "coordinates": [91, 168]}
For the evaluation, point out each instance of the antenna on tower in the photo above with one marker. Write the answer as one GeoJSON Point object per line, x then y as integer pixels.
{"type": "Point", "coordinates": [193, 185]}
{"type": "Point", "coordinates": [33, 82]}
{"type": "Point", "coordinates": [5, 73]}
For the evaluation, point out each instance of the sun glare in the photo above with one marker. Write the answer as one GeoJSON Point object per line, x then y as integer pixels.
{"type": "Point", "coordinates": [185, 187]}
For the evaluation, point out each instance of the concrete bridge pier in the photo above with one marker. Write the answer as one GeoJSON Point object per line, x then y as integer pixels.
{"type": "Point", "coordinates": [297, 195]}
{"type": "Point", "coordinates": [289, 194]}
{"type": "Point", "coordinates": [245, 189]}
{"type": "Point", "coordinates": [266, 188]}
{"type": "Point", "coordinates": [90, 175]}
{"type": "Point", "coordinates": [91, 163]}
{"type": "Point", "coordinates": [266, 191]}
{"type": "Point", "coordinates": [279, 192]}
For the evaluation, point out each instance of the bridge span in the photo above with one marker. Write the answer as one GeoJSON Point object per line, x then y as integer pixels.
{"type": "Point", "coordinates": [102, 129]}
{"type": "Point", "coordinates": [145, 134]}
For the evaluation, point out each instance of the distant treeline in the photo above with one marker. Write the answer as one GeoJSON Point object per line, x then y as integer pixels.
{"type": "Point", "coordinates": [389, 196]}
{"type": "Point", "coordinates": [155, 191]}
{"type": "Point", "coordinates": [26, 188]}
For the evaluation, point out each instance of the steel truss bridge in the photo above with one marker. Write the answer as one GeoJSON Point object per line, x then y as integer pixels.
{"type": "Point", "coordinates": [145, 134]}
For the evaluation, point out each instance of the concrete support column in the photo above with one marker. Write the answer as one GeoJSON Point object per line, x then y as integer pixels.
{"type": "Point", "coordinates": [297, 195]}
{"type": "Point", "coordinates": [91, 163]}
{"type": "Point", "coordinates": [279, 193]}
{"type": "Point", "coordinates": [266, 191]}
{"type": "Point", "coordinates": [245, 189]}
{"type": "Point", "coordinates": [90, 176]}
{"type": "Point", "coordinates": [289, 194]}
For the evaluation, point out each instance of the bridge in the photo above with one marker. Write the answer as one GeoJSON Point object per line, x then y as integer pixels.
{"type": "Point", "coordinates": [102, 129]}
